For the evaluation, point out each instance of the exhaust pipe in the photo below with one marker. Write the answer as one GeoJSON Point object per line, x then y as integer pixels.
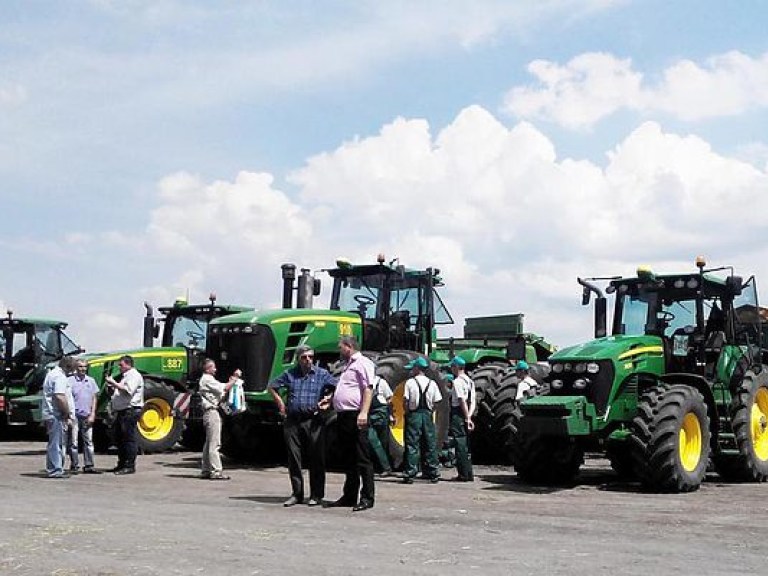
{"type": "Point", "coordinates": [305, 289]}
{"type": "Point", "coordinates": [150, 328]}
{"type": "Point", "coordinates": [289, 275]}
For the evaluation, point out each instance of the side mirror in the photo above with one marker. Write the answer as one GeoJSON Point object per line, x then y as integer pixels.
{"type": "Point", "coordinates": [585, 296]}
{"type": "Point", "coordinates": [735, 285]}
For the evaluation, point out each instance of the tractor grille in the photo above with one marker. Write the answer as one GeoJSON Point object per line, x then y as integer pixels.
{"type": "Point", "coordinates": [250, 348]}
{"type": "Point", "coordinates": [598, 387]}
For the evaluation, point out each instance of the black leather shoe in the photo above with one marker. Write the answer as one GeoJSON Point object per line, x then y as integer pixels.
{"type": "Point", "coordinates": [124, 471]}
{"type": "Point", "coordinates": [91, 471]}
{"type": "Point", "coordinates": [292, 501]}
{"type": "Point", "coordinates": [407, 480]}
{"type": "Point", "coordinates": [341, 503]}
{"type": "Point", "coordinates": [364, 505]}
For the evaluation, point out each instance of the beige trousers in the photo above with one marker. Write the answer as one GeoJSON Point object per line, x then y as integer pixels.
{"type": "Point", "coordinates": [211, 458]}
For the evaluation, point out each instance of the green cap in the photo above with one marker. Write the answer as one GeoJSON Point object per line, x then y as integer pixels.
{"type": "Point", "coordinates": [419, 362]}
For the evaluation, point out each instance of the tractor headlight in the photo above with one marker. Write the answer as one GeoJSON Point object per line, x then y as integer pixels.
{"type": "Point", "coordinates": [568, 367]}
{"type": "Point", "coordinates": [580, 383]}
{"type": "Point", "coordinates": [593, 367]}
{"type": "Point", "coordinates": [580, 368]}
{"type": "Point", "coordinates": [557, 384]}
{"type": "Point", "coordinates": [557, 368]}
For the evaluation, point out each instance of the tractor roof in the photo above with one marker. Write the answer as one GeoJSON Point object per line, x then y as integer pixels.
{"type": "Point", "coordinates": [15, 321]}
{"type": "Point", "coordinates": [189, 309]}
{"type": "Point", "coordinates": [713, 285]}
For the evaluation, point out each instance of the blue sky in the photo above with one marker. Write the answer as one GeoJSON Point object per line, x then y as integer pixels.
{"type": "Point", "coordinates": [149, 148]}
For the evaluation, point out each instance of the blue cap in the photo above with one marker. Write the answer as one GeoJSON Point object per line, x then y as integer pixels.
{"type": "Point", "coordinates": [522, 365]}
{"type": "Point", "coordinates": [458, 361]}
{"type": "Point", "coordinates": [419, 362]}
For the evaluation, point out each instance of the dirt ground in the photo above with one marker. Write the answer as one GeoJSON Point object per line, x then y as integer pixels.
{"type": "Point", "coordinates": [163, 520]}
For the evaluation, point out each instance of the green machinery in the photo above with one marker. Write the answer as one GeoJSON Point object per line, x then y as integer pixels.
{"type": "Point", "coordinates": [391, 309]}
{"type": "Point", "coordinates": [27, 348]}
{"type": "Point", "coordinates": [170, 372]}
{"type": "Point", "coordinates": [679, 381]}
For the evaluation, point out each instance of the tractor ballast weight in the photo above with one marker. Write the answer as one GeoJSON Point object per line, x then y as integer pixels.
{"type": "Point", "coordinates": [680, 379]}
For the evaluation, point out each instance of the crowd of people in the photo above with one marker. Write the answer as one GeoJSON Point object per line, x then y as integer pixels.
{"type": "Point", "coordinates": [304, 395]}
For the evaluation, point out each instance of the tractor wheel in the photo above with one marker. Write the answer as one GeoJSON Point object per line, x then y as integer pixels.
{"type": "Point", "coordinates": [102, 436]}
{"type": "Point", "coordinates": [193, 436]}
{"type": "Point", "coordinates": [391, 367]}
{"type": "Point", "coordinates": [507, 416]}
{"type": "Point", "coordinates": [548, 460]}
{"type": "Point", "coordinates": [670, 438]}
{"type": "Point", "coordinates": [749, 420]}
{"type": "Point", "coordinates": [245, 438]}
{"type": "Point", "coordinates": [159, 428]}
{"type": "Point", "coordinates": [487, 379]}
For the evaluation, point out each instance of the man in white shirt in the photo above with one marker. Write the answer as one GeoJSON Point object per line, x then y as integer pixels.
{"type": "Point", "coordinates": [127, 402]}
{"type": "Point", "coordinates": [211, 394]}
{"type": "Point", "coordinates": [419, 399]}
{"type": "Point", "coordinates": [526, 381]}
{"type": "Point", "coordinates": [462, 392]}
{"type": "Point", "coordinates": [58, 412]}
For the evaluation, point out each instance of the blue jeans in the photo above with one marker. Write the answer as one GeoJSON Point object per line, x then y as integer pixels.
{"type": "Point", "coordinates": [80, 429]}
{"type": "Point", "coordinates": [54, 458]}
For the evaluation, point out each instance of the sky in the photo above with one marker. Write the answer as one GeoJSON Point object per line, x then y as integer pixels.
{"type": "Point", "coordinates": [151, 149]}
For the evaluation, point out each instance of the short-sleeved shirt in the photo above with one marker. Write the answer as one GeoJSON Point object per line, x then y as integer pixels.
{"type": "Point", "coordinates": [358, 375]}
{"type": "Point", "coordinates": [133, 397]}
{"type": "Point", "coordinates": [421, 385]}
{"type": "Point", "coordinates": [463, 389]}
{"type": "Point", "coordinates": [524, 385]}
{"type": "Point", "coordinates": [381, 391]}
{"type": "Point", "coordinates": [211, 391]}
{"type": "Point", "coordinates": [84, 388]}
{"type": "Point", "coordinates": [304, 390]}
{"type": "Point", "coordinates": [56, 382]}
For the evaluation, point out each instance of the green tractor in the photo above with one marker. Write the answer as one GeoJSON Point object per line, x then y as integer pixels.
{"type": "Point", "coordinates": [391, 309]}
{"type": "Point", "coordinates": [679, 382]}
{"type": "Point", "coordinates": [28, 346]}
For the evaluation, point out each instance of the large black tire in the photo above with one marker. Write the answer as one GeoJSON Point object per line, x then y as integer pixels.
{"type": "Point", "coordinates": [487, 378]}
{"type": "Point", "coordinates": [671, 438]}
{"type": "Point", "coordinates": [749, 421]}
{"type": "Point", "coordinates": [159, 428]}
{"type": "Point", "coordinates": [620, 456]}
{"type": "Point", "coordinates": [245, 438]}
{"type": "Point", "coordinates": [391, 367]}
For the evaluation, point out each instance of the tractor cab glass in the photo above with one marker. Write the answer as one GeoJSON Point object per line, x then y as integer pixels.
{"type": "Point", "coordinates": [748, 322]}
{"type": "Point", "coordinates": [188, 330]}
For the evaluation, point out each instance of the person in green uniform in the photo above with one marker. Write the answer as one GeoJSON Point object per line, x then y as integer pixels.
{"type": "Point", "coordinates": [420, 396]}
{"type": "Point", "coordinates": [462, 392]}
{"type": "Point", "coordinates": [379, 419]}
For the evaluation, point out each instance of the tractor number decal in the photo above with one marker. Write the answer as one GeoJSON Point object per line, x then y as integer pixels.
{"type": "Point", "coordinates": [345, 329]}
{"type": "Point", "coordinates": [172, 364]}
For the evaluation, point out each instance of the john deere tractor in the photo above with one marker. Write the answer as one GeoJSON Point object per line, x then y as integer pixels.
{"type": "Point", "coordinates": [391, 309]}
{"type": "Point", "coordinates": [679, 380]}
{"type": "Point", "coordinates": [28, 346]}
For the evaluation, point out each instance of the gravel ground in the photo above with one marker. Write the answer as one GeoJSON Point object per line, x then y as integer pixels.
{"type": "Point", "coordinates": [164, 520]}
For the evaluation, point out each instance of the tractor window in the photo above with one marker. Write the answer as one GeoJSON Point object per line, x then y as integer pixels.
{"type": "Point", "coordinates": [747, 314]}
{"type": "Point", "coordinates": [680, 314]}
{"type": "Point", "coordinates": [187, 331]}
{"type": "Point", "coordinates": [362, 296]}
{"type": "Point", "coordinates": [406, 299]}
{"type": "Point", "coordinates": [634, 315]}
{"type": "Point", "coordinates": [48, 340]}
{"type": "Point", "coordinates": [68, 347]}
{"type": "Point", "coordinates": [442, 316]}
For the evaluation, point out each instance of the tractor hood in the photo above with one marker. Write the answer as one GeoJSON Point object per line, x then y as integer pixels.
{"type": "Point", "coordinates": [96, 358]}
{"type": "Point", "coordinates": [289, 315]}
{"type": "Point", "coordinates": [610, 348]}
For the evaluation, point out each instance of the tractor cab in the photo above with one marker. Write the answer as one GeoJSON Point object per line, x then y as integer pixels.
{"type": "Point", "coordinates": [399, 307]}
{"type": "Point", "coordinates": [696, 316]}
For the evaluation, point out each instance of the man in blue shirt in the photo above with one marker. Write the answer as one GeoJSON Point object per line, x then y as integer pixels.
{"type": "Point", "coordinates": [308, 389]}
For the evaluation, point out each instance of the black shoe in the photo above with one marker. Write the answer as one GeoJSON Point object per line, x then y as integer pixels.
{"type": "Point", "coordinates": [116, 468]}
{"type": "Point", "coordinates": [74, 471]}
{"type": "Point", "coordinates": [315, 502]}
{"type": "Point", "coordinates": [124, 471]}
{"type": "Point", "coordinates": [434, 479]}
{"type": "Point", "coordinates": [407, 480]}
{"type": "Point", "coordinates": [292, 501]}
{"type": "Point", "coordinates": [341, 503]}
{"type": "Point", "coordinates": [364, 505]}
{"type": "Point", "coordinates": [91, 471]}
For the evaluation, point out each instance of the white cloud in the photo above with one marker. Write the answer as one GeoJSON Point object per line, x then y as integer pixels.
{"type": "Point", "coordinates": [509, 223]}
{"type": "Point", "coordinates": [593, 86]}
{"type": "Point", "coordinates": [12, 95]}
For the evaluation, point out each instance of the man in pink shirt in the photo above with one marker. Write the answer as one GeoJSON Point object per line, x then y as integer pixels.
{"type": "Point", "coordinates": [352, 401]}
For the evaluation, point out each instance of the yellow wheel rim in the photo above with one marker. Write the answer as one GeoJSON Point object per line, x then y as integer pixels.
{"type": "Point", "coordinates": [759, 421]}
{"type": "Point", "coordinates": [156, 420]}
{"type": "Point", "coordinates": [398, 428]}
{"type": "Point", "coordinates": [690, 442]}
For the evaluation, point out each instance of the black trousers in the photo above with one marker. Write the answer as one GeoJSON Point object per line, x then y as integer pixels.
{"type": "Point", "coordinates": [358, 465]}
{"type": "Point", "coordinates": [127, 437]}
{"type": "Point", "coordinates": [307, 432]}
